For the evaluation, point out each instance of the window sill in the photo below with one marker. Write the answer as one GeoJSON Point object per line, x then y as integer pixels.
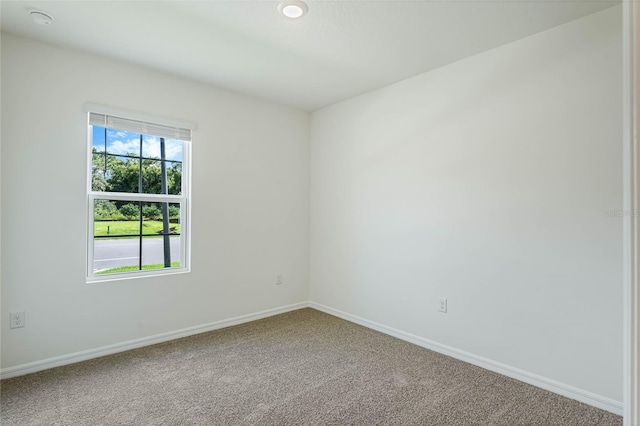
{"type": "Point", "coordinates": [135, 275]}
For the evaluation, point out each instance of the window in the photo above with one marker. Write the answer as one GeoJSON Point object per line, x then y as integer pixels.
{"type": "Point", "coordinates": [138, 187]}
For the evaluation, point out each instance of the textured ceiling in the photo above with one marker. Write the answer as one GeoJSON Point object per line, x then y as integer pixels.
{"type": "Point", "coordinates": [338, 50]}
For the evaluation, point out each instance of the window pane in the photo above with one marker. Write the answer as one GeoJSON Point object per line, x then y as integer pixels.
{"type": "Point", "coordinates": [117, 236]}
{"type": "Point", "coordinates": [152, 215]}
{"type": "Point", "coordinates": [97, 139]}
{"type": "Point", "coordinates": [98, 171]}
{"type": "Point", "coordinates": [120, 142]}
{"type": "Point", "coordinates": [174, 178]}
{"type": "Point", "coordinates": [153, 252]}
{"type": "Point", "coordinates": [105, 210]}
{"type": "Point", "coordinates": [129, 211]}
{"type": "Point", "coordinates": [174, 217]}
{"type": "Point", "coordinates": [151, 177]}
{"type": "Point", "coordinates": [161, 250]}
{"type": "Point", "coordinates": [112, 255]}
{"type": "Point", "coordinates": [150, 146]}
{"type": "Point", "coordinates": [116, 246]}
{"type": "Point", "coordinates": [116, 218]}
{"type": "Point", "coordinates": [173, 149]}
{"type": "Point", "coordinates": [118, 170]}
{"type": "Point", "coordinates": [123, 174]}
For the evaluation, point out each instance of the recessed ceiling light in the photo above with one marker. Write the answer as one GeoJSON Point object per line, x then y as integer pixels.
{"type": "Point", "coordinates": [293, 9]}
{"type": "Point", "coordinates": [41, 17]}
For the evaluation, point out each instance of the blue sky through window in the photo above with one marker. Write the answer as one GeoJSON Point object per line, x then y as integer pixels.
{"type": "Point", "coordinates": [120, 143]}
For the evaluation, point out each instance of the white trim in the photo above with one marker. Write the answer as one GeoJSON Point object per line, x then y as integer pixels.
{"type": "Point", "coordinates": [134, 115]}
{"type": "Point", "coordinates": [630, 185]}
{"type": "Point", "coordinates": [185, 215]}
{"type": "Point", "coordinates": [135, 196]}
{"type": "Point", "coordinates": [122, 276]}
{"type": "Point", "coordinates": [58, 361]}
{"type": "Point", "coordinates": [506, 370]}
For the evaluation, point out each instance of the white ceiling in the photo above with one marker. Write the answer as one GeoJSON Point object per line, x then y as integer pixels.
{"type": "Point", "coordinates": [338, 50]}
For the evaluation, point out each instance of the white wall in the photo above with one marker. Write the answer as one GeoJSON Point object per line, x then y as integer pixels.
{"type": "Point", "coordinates": [250, 204]}
{"type": "Point", "coordinates": [485, 182]}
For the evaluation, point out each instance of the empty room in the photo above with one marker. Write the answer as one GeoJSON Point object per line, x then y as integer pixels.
{"type": "Point", "coordinates": [320, 212]}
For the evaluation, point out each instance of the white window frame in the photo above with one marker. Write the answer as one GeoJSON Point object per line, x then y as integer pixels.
{"type": "Point", "coordinates": [184, 199]}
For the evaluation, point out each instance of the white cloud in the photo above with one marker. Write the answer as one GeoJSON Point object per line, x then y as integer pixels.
{"type": "Point", "coordinates": [150, 148]}
{"type": "Point", "coordinates": [173, 149]}
{"type": "Point", "coordinates": [132, 146]}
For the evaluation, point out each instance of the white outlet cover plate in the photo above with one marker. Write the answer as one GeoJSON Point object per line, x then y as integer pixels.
{"type": "Point", "coordinates": [16, 320]}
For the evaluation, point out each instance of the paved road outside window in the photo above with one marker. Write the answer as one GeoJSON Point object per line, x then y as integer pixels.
{"type": "Point", "coordinates": [124, 252]}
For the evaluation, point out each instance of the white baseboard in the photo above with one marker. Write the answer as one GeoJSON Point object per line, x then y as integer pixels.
{"type": "Point", "coordinates": [524, 376]}
{"type": "Point", "coordinates": [506, 370]}
{"type": "Point", "coordinates": [32, 367]}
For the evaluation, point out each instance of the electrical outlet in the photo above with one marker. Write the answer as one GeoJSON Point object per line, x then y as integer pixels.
{"type": "Point", "coordinates": [278, 279]}
{"type": "Point", "coordinates": [17, 320]}
{"type": "Point", "coordinates": [442, 307]}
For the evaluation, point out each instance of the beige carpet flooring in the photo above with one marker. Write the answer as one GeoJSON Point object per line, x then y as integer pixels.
{"type": "Point", "coordinates": [298, 368]}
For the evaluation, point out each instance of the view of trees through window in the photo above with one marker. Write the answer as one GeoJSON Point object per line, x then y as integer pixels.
{"type": "Point", "coordinates": [132, 232]}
